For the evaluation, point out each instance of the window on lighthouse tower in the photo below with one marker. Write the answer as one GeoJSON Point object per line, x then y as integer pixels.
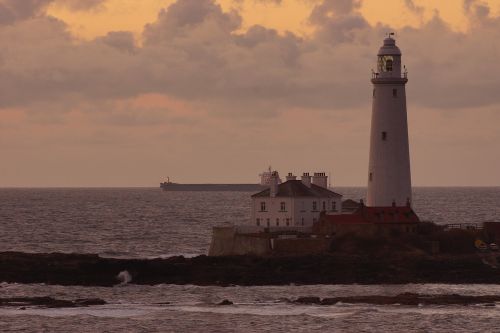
{"type": "Point", "coordinates": [388, 65]}
{"type": "Point", "coordinates": [385, 63]}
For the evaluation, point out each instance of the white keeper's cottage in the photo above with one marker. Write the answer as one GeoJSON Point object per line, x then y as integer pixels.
{"type": "Point", "coordinates": [294, 202]}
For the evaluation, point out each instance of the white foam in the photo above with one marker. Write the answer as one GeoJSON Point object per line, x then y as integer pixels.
{"type": "Point", "coordinates": [124, 277]}
{"type": "Point", "coordinates": [269, 310]}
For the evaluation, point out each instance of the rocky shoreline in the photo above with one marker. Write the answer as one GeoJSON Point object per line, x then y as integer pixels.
{"type": "Point", "coordinates": [48, 302]}
{"type": "Point", "coordinates": [403, 299]}
{"type": "Point", "coordinates": [92, 270]}
{"type": "Point", "coordinates": [409, 299]}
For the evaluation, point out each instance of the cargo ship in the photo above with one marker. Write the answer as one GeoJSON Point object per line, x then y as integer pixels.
{"type": "Point", "coordinates": [265, 178]}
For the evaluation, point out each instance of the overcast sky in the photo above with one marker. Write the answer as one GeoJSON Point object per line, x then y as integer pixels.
{"type": "Point", "coordinates": [126, 92]}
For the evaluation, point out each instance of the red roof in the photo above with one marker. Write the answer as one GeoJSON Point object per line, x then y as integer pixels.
{"type": "Point", "coordinates": [365, 215]}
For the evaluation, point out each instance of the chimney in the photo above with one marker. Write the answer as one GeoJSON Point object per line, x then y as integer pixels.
{"type": "Point", "coordinates": [274, 183]}
{"type": "Point", "coordinates": [306, 179]}
{"type": "Point", "coordinates": [320, 179]}
{"type": "Point", "coordinates": [290, 177]}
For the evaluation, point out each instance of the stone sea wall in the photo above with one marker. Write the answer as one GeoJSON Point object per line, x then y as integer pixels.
{"type": "Point", "coordinates": [228, 241]}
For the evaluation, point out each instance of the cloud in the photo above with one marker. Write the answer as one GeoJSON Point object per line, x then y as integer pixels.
{"type": "Point", "coordinates": [121, 40]}
{"type": "Point", "coordinates": [80, 5]}
{"type": "Point", "coordinates": [189, 17]}
{"type": "Point", "coordinates": [14, 10]}
{"type": "Point", "coordinates": [338, 20]}
{"type": "Point", "coordinates": [272, 2]}
{"type": "Point", "coordinates": [418, 10]}
{"type": "Point", "coordinates": [195, 51]}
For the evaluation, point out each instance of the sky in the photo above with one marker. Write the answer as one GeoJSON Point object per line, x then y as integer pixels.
{"type": "Point", "coordinates": [128, 92]}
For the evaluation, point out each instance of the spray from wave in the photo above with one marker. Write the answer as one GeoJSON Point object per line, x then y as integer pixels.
{"type": "Point", "coordinates": [124, 277]}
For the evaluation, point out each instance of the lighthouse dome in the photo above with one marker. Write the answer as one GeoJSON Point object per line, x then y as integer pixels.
{"type": "Point", "coordinates": [389, 48]}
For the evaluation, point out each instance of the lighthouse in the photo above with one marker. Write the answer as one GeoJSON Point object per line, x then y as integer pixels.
{"type": "Point", "coordinates": [389, 178]}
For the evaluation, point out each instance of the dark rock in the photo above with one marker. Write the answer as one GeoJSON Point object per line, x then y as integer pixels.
{"type": "Point", "coordinates": [89, 302]}
{"type": "Point", "coordinates": [225, 302]}
{"type": "Point", "coordinates": [407, 299]}
{"type": "Point", "coordinates": [396, 268]}
{"type": "Point", "coordinates": [48, 302]}
{"type": "Point", "coordinates": [308, 300]}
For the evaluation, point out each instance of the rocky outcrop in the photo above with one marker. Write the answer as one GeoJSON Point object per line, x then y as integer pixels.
{"type": "Point", "coordinates": [92, 270]}
{"type": "Point", "coordinates": [48, 302]}
{"type": "Point", "coordinates": [225, 302]}
{"type": "Point", "coordinates": [403, 299]}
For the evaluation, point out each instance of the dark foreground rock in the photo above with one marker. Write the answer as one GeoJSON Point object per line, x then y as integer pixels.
{"type": "Point", "coordinates": [49, 302]}
{"type": "Point", "coordinates": [92, 270]}
{"type": "Point", "coordinates": [404, 299]}
{"type": "Point", "coordinates": [225, 302]}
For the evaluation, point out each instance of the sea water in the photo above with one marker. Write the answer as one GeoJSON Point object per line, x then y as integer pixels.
{"type": "Point", "coordinates": [145, 223]}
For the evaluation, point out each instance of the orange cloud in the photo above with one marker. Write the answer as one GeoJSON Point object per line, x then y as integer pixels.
{"type": "Point", "coordinates": [292, 15]}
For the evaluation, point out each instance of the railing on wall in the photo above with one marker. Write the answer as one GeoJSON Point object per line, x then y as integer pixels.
{"type": "Point", "coordinates": [464, 226]}
{"type": "Point", "coordinates": [376, 75]}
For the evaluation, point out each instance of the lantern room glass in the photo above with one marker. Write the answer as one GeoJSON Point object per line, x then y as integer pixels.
{"type": "Point", "coordinates": [385, 63]}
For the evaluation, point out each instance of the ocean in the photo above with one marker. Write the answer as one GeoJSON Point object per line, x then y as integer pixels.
{"type": "Point", "coordinates": [149, 223]}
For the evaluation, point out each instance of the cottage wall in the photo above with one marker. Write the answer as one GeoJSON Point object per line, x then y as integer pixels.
{"type": "Point", "coordinates": [273, 215]}
{"type": "Point", "coordinates": [298, 211]}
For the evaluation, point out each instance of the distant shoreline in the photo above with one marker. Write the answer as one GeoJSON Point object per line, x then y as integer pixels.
{"type": "Point", "coordinates": [92, 270]}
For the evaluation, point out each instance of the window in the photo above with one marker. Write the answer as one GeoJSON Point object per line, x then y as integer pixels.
{"type": "Point", "coordinates": [262, 206]}
{"type": "Point", "coordinates": [283, 207]}
{"type": "Point", "coordinates": [384, 136]}
{"type": "Point", "coordinates": [315, 206]}
{"type": "Point", "coordinates": [371, 176]}
{"type": "Point", "coordinates": [385, 63]}
{"type": "Point", "coordinates": [277, 222]}
{"type": "Point", "coordinates": [314, 220]}
{"type": "Point", "coordinates": [324, 205]}
{"type": "Point", "coordinates": [302, 221]}
{"type": "Point", "coordinates": [334, 206]}
{"type": "Point", "coordinates": [388, 65]}
{"type": "Point", "coordinates": [268, 222]}
{"type": "Point", "coordinates": [373, 93]}
{"type": "Point", "coordinates": [288, 222]}
{"type": "Point", "coordinates": [258, 222]}
{"type": "Point", "coordinates": [394, 93]}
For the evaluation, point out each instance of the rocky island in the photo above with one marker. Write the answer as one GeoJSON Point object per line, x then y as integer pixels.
{"type": "Point", "coordinates": [432, 254]}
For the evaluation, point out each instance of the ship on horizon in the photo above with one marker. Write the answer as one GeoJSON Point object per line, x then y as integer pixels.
{"type": "Point", "coordinates": [265, 179]}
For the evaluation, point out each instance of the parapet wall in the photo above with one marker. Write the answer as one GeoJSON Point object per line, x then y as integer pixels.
{"type": "Point", "coordinates": [227, 241]}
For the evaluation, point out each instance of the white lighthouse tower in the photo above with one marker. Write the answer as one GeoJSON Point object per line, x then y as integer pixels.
{"type": "Point", "coordinates": [389, 179]}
